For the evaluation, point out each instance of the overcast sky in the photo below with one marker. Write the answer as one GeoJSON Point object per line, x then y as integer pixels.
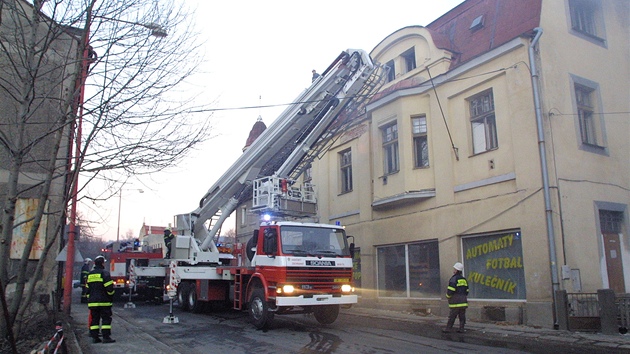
{"type": "Point", "coordinates": [256, 53]}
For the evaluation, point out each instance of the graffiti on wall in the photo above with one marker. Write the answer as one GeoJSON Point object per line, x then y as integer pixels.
{"type": "Point", "coordinates": [25, 210]}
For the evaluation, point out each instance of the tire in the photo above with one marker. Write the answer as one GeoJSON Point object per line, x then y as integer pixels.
{"type": "Point", "coordinates": [182, 296]}
{"type": "Point", "coordinates": [326, 314]}
{"type": "Point", "coordinates": [259, 309]}
{"type": "Point", "coordinates": [194, 304]}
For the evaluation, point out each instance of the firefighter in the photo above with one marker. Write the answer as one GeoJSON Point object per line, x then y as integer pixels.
{"type": "Point", "coordinates": [168, 239]}
{"type": "Point", "coordinates": [457, 295]}
{"type": "Point", "coordinates": [100, 294]}
{"type": "Point", "coordinates": [315, 75]}
{"type": "Point", "coordinates": [85, 270]}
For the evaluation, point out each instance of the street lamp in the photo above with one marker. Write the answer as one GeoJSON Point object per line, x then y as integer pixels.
{"type": "Point", "coordinates": [157, 30]}
{"type": "Point", "coordinates": [119, 208]}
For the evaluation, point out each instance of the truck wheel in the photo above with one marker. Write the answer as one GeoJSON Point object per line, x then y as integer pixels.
{"type": "Point", "coordinates": [326, 314]}
{"type": "Point", "coordinates": [182, 296]}
{"type": "Point", "coordinates": [194, 304]}
{"type": "Point", "coordinates": [259, 309]}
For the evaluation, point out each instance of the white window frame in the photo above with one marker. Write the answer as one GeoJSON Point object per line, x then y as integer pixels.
{"type": "Point", "coordinates": [409, 58]}
{"type": "Point", "coordinates": [345, 170]}
{"type": "Point", "coordinates": [586, 20]}
{"type": "Point", "coordinates": [483, 122]}
{"type": "Point", "coordinates": [391, 74]}
{"type": "Point", "coordinates": [391, 158]}
{"type": "Point", "coordinates": [589, 122]}
{"type": "Point", "coordinates": [420, 137]}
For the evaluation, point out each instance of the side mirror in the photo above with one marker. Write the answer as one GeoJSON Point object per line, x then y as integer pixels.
{"type": "Point", "coordinates": [255, 238]}
{"type": "Point", "coordinates": [351, 246]}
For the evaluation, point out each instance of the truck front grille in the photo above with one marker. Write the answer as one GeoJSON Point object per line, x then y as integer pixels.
{"type": "Point", "coordinates": [318, 279]}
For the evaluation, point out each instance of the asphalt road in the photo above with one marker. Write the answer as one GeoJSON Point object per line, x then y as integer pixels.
{"type": "Point", "coordinates": [227, 331]}
{"type": "Point", "coordinates": [141, 330]}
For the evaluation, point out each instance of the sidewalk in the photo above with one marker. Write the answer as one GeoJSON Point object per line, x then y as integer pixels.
{"type": "Point", "coordinates": [129, 340]}
{"type": "Point", "coordinates": [616, 343]}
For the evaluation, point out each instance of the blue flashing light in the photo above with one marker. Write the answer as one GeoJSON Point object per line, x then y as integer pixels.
{"type": "Point", "coordinates": [338, 223]}
{"type": "Point", "coordinates": [266, 217]}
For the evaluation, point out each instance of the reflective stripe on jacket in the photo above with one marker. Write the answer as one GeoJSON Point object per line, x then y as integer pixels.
{"type": "Point", "coordinates": [100, 288]}
{"type": "Point", "coordinates": [457, 291]}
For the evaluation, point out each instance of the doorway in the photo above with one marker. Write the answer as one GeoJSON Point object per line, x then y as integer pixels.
{"type": "Point", "coordinates": [611, 222]}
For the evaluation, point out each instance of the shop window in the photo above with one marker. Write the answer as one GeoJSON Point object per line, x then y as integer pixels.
{"type": "Point", "coordinates": [494, 266]}
{"type": "Point", "coordinates": [410, 270]}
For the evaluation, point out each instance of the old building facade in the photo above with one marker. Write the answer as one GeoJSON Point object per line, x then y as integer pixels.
{"type": "Point", "coordinates": [501, 141]}
{"type": "Point", "coordinates": [39, 63]}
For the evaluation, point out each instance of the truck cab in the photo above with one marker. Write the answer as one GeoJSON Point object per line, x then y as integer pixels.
{"type": "Point", "coordinates": [299, 268]}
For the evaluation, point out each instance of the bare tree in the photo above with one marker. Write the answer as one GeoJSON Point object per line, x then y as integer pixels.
{"type": "Point", "coordinates": [124, 101]}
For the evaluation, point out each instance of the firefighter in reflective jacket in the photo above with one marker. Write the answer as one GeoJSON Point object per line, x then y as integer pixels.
{"type": "Point", "coordinates": [100, 288]}
{"type": "Point", "coordinates": [168, 239]}
{"type": "Point", "coordinates": [85, 270]}
{"type": "Point", "coordinates": [457, 295]}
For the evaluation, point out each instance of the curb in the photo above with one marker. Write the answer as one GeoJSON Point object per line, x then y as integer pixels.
{"type": "Point", "coordinates": [70, 338]}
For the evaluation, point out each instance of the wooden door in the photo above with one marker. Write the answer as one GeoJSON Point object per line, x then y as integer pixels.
{"type": "Point", "coordinates": [614, 266]}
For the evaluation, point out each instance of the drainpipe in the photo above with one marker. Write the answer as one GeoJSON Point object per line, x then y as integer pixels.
{"type": "Point", "coordinates": [553, 262]}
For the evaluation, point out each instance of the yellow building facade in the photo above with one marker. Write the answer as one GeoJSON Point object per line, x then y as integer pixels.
{"type": "Point", "coordinates": [502, 141]}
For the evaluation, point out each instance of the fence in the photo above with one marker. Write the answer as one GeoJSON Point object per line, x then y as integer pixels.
{"type": "Point", "coordinates": [623, 304]}
{"type": "Point", "coordinates": [597, 312]}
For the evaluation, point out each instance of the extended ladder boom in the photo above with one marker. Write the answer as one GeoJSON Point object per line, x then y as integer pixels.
{"type": "Point", "coordinates": [285, 143]}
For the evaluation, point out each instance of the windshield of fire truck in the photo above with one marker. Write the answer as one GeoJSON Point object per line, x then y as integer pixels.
{"type": "Point", "coordinates": [314, 241]}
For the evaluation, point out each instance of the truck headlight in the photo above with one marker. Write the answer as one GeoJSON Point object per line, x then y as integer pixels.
{"type": "Point", "coordinates": [346, 288]}
{"type": "Point", "coordinates": [288, 289]}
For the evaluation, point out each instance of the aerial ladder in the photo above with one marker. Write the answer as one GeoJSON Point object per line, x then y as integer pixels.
{"type": "Point", "coordinates": [305, 129]}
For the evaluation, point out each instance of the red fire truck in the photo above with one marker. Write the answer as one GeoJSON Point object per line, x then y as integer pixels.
{"type": "Point", "coordinates": [287, 266]}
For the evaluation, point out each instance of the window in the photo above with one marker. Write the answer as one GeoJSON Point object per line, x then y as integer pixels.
{"type": "Point", "coordinates": [611, 221]}
{"type": "Point", "coordinates": [420, 146]}
{"type": "Point", "coordinates": [584, 100]}
{"type": "Point", "coordinates": [410, 59]}
{"type": "Point", "coordinates": [313, 241]}
{"type": "Point", "coordinates": [494, 266]}
{"type": "Point", "coordinates": [390, 149]}
{"type": "Point", "coordinates": [345, 167]}
{"type": "Point", "coordinates": [391, 74]}
{"type": "Point", "coordinates": [484, 128]}
{"type": "Point", "coordinates": [410, 270]}
{"type": "Point", "coordinates": [586, 18]}
{"type": "Point", "coordinates": [243, 215]}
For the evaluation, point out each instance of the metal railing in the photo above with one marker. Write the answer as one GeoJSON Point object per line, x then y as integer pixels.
{"type": "Point", "coordinates": [623, 305]}
{"type": "Point", "coordinates": [603, 311]}
{"type": "Point", "coordinates": [583, 305]}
